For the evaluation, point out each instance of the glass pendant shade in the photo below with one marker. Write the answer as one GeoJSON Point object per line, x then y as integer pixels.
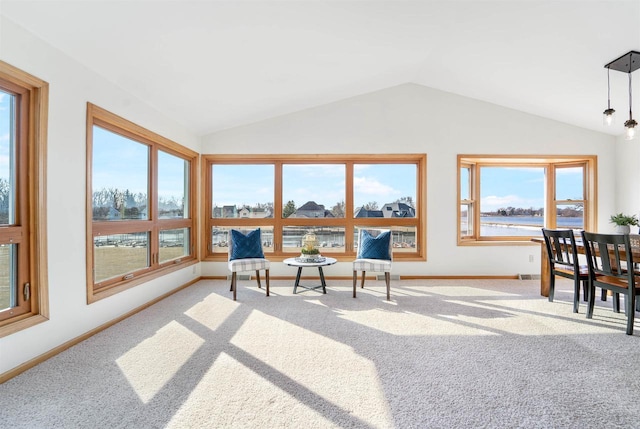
{"type": "Point", "coordinates": [609, 117]}
{"type": "Point", "coordinates": [630, 133]}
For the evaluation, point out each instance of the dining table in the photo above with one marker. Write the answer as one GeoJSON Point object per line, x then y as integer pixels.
{"type": "Point", "coordinates": [545, 268]}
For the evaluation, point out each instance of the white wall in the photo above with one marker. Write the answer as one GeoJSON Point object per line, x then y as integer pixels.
{"type": "Point", "coordinates": [627, 185]}
{"type": "Point", "coordinates": [412, 118]}
{"type": "Point", "coordinates": [71, 86]}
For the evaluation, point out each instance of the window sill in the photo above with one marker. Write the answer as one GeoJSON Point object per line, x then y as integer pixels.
{"type": "Point", "coordinates": [22, 324]}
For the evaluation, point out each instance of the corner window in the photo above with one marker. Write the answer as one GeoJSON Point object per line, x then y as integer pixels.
{"type": "Point", "coordinates": [140, 188]}
{"type": "Point", "coordinates": [23, 263]}
{"type": "Point", "coordinates": [513, 198]}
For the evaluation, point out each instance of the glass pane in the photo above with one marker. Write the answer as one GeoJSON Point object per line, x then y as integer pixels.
{"type": "Point", "coordinates": [330, 239]}
{"type": "Point", "coordinates": [511, 201]}
{"type": "Point", "coordinates": [313, 190]}
{"type": "Point", "coordinates": [174, 244]}
{"type": "Point", "coordinates": [120, 177]}
{"type": "Point", "coordinates": [173, 185]}
{"type": "Point", "coordinates": [119, 254]}
{"type": "Point", "coordinates": [466, 220]}
{"type": "Point", "coordinates": [8, 270]}
{"type": "Point", "coordinates": [464, 183]}
{"type": "Point", "coordinates": [570, 216]}
{"type": "Point", "coordinates": [220, 237]}
{"type": "Point", "coordinates": [245, 191]}
{"type": "Point", "coordinates": [403, 238]}
{"type": "Point", "coordinates": [384, 190]}
{"type": "Point", "coordinates": [7, 158]}
{"type": "Point", "coordinates": [569, 183]}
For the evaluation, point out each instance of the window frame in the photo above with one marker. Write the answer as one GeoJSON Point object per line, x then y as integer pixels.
{"type": "Point", "coordinates": [152, 225]}
{"type": "Point", "coordinates": [550, 163]}
{"type": "Point", "coordinates": [29, 230]}
{"type": "Point", "coordinates": [349, 223]}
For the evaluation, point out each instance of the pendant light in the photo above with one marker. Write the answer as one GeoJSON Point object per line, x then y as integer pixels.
{"type": "Point", "coordinates": [627, 63]}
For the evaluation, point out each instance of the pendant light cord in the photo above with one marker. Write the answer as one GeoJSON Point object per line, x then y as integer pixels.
{"type": "Point", "coordinates": [630, 99]}
{"type": "Point", "coordinates": [608, 89]}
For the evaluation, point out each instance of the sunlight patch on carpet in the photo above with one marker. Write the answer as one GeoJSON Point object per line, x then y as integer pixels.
{"type": "Point", "coordinates": [468, 291]}
{"type": "Point", "coordinates": [307, 356]}
{"type": "Point", "coordinates": [202, 311]}
{"type": "Point", "coordinates": [232, 394]}
{"type": "Point", "coordinates": [153, 362]}
{"type": "Point", "coordinates": [542, 318]}
{"type": "Point", "coordinates": [443, 321]}
{"type": "Point", "coordinates": [315, 302]}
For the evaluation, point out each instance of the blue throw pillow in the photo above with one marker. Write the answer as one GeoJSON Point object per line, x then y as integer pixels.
{"type": "Point", "coordinates": [374, 247]}
{"type": "Point", "coordinates": [246, 246]}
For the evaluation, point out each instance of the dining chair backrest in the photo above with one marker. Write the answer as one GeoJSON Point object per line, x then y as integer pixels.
{"type": "Point", "coordinates": [561, 248]}
{"type": "Point", "coordinates": [609, 255]}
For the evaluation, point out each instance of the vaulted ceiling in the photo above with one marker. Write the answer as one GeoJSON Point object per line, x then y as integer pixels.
{"type": "Point", "coordinates": [212, 65]}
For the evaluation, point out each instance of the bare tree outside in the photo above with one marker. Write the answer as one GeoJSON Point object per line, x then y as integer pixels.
{"type": "Point", "coordinates": [407, 200]}
{"type": "Point", "coordinates": [4, 201]}
{"type": "Point", "coordinates": [338, 209]}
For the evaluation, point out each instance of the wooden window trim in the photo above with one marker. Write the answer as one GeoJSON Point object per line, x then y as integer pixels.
{"type": "Point", "coordinates": [349, 160]}
{"type": "Point", "coordinates": [32, 205]}
{"type": "Point", "coordinates": [550, 162]}
{"type": "Point", "coordinates": [153, 225]}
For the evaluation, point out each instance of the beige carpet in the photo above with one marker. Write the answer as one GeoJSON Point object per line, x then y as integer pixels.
{"type": "Point", "coordinates": [442, 354]}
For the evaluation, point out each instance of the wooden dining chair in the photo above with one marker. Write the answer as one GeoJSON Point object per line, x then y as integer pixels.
{"type": "Point", "coordinates": [610, 260]}
{"type": "Point", "coordinates": [563, 261]}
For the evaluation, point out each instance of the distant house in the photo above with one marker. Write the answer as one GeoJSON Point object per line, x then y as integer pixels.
{"type": "Point", "coordinates": [398, 210]}
{"type": "Point", "coordinates": [260, 212]}
{"type": "Point", "coordinates": [310, 210]}
{"type": "Point", "coordinates": [114, 214]}
{"type": "Point", "coordinates": [254, 212]}
{"type": "Point", "coordinates": [244, 212]}
{"type": "Point", "coordinates": [361, 212]}
{"type": "Point", "coordinates": [225, 211]}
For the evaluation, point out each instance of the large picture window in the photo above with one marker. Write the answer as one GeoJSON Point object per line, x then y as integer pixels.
{"type": "Point", "coordinates": [140, 196]}
{"type": "Point", "coordinates": [513, 198]}
{"type": "Point", "coordinates": [288, 196]}
{"type": "Point", "coordinates": [23, 263]}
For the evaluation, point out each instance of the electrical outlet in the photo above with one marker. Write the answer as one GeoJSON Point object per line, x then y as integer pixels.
{"type": "Point", "coordinates": [530, 258]}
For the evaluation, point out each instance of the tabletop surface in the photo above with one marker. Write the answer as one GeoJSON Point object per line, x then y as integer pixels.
{"type": "Point", "coordinates": [327, 261]}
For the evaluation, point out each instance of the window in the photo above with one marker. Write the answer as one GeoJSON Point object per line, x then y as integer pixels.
{"type": "Point", "coordinates": [288, 196]}
{"type": "Point", "coordinates": [23, 263]}
{"type": "Point", "coordinates": [513, 198]}
{"type": "Point", "coordinates": [140, 204]}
